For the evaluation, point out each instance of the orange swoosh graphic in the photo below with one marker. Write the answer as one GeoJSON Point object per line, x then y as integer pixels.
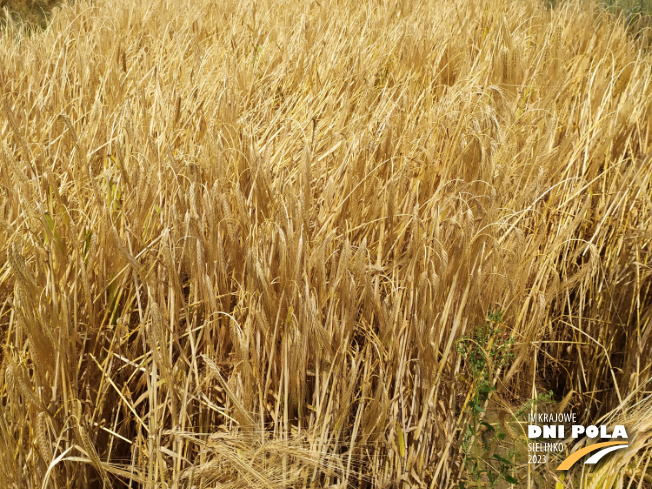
{"type": "Point", "coordinates": [568, 463]}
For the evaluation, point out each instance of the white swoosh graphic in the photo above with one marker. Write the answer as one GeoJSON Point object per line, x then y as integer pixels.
{"type": "Point", "coordinates": [595, 458]}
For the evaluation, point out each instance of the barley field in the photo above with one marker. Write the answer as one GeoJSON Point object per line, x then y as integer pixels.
{"type": "Point", "coordinates": [321, 244]}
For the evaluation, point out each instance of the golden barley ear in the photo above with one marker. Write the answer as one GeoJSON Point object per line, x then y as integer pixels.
{"type": "Point", "coordinates": [25, 387]}
{"type": "Point", "coordinates": [505, 65]}
{"type": "Point", "coordinates": [11, 384]}
{"type": "Point", "coordinates": [89, 448]}
{"type": "Point", "coordinates": [42, 438]}
{"type": "Point", "coordinates": [13, 123]}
